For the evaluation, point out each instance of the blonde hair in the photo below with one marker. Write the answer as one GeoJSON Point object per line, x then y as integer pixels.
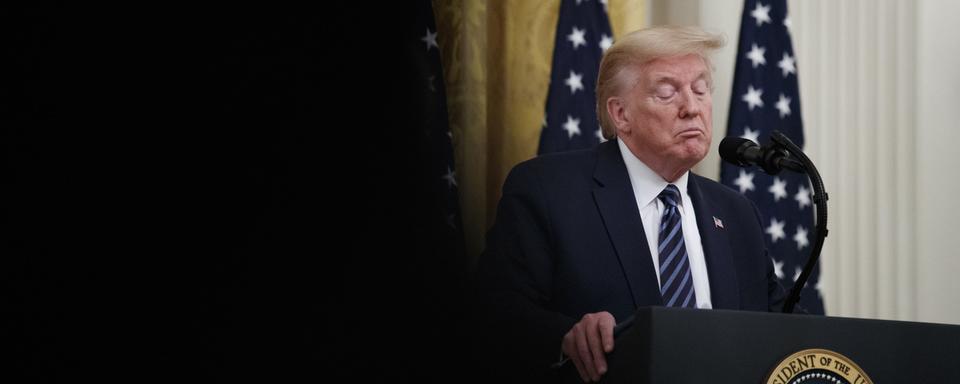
{"type": "Point", "coordinates": [617, 68]}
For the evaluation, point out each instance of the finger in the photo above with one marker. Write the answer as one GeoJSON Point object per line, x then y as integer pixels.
{"type": "Point", "coordinates": [596, 349]}
{"type": "Point", "coordinates": [607, 323]}
{"type": "Point", "coordinates": [570, 349]}
{"type": "Point", "coordinates": [583, 350]}
{"type": "Point", "coordinates": [580, 370]}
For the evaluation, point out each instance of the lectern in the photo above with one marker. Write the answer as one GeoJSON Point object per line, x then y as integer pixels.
{"type": "Point", "coordinates": [669, 345]}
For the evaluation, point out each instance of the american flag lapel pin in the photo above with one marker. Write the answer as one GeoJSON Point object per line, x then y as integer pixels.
{"type": "Point", "coordinates": [717, 222]}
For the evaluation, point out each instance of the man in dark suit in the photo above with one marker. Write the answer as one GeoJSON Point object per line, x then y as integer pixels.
{"type": "Point", "coordinates": [584, 238]}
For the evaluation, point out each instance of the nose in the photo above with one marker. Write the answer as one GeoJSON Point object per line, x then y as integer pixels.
{"type": "Point", "coordinates": [690, 104]}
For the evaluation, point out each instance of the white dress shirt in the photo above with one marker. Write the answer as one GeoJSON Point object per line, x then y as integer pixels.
{"type": "Point", "coordinates": [647, 186]}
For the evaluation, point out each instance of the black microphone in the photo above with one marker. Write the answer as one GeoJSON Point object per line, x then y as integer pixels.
{"type": "Point", "coordinates": [778, 154]}
{"type": "Point", "coordinates": [744, 153]}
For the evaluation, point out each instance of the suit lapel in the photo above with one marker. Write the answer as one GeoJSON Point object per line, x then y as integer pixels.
{"type": "Point", "coordinates": [618, 207]}
{"type": "Point", "coordinates": [724, 291]}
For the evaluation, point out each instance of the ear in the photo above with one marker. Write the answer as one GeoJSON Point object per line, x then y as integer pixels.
{"type": "Point", "coordinates": [617, 110]}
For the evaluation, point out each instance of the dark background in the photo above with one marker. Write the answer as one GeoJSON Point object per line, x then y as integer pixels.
{"type": "Point", "coordinates": [226, 193]}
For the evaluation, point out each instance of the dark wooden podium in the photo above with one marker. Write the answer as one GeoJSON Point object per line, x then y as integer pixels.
{"type": "Point", "coordinates": [667, 345]}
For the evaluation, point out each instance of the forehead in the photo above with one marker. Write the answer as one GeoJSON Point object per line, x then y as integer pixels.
{"type": "Point", "coordinates": [684, 68]}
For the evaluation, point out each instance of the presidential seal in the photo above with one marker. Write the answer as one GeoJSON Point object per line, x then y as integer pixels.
{"type": "Point", "coordinates": [816, 366]}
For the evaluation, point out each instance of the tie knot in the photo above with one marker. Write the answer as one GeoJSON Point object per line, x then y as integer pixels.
{"type": "Point", "coordinates": [670, 195]}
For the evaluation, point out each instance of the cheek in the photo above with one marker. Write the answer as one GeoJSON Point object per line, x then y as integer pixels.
{"type": "Point", "coordinates": [649, 117]}
{"type": "Point", "coordinates": [708, 115]}
{"type": "Point", "coordinates": [663, 116]}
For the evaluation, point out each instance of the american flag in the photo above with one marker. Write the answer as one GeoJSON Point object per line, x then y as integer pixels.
{"type": "Point", "coordinates": [436, 139]}
{"type": "Point", "coordinates": [583, 33]}
{"type": "Point", "coordinates": [766, 97]}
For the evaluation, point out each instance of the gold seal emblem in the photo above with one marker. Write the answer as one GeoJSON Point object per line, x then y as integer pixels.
{"type": "Point", "coordinates": [814, 366]}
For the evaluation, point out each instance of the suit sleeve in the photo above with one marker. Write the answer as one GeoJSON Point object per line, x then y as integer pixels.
{"type": "Point", "coordinates": [516, 277]}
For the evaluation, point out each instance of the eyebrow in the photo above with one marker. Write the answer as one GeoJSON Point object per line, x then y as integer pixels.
{"type": "Point", "coordinates": [662, 78]}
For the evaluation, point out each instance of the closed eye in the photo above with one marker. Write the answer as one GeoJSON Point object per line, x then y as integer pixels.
{"type": "Point", "coordinates": [665, 92]}
{"type": "Point", "coordinates": [700, 87]}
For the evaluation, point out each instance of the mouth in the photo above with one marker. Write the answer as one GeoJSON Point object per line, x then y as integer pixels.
{"type": "Point", "coordinates": [690, 132]}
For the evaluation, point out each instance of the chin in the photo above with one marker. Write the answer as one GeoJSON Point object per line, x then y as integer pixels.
{"type": "Point", "coordinates": [695, 152]}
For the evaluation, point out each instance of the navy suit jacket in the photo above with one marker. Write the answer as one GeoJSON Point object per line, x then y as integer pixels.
{"type": "Point", "coordinates": [568, 240]}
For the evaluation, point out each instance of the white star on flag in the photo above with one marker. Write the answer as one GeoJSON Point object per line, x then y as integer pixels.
{"type": "Point", "coordinates": [744, 181]}
{"type": "Point", "coordinates": [796, 273]}
{"type": "Point", "coordinates": [802, 197]}
{"type": "Point", "coordinates": [756, 55]}
{"type": "Point", "coordinates": [577, 37]}
{"type": "Point", "coordinates": [572, 126]}
{"type": "Point", "coordinates": [450, 177]}
{"type": "Point", "coordinates": [606, 42]}
{"type": "Point", "coordinates": [778, 268]}
{"type": "Point", "coordinates": [787, 23]}
{"type": "Point", "coordinates": [801, 237]}
{"type": "Point", "coordinates": [775, 230]}
{"type": "Point", "coordinates": [778, 189]}
{"type": "Point", "coordinates": [761, 13]}
{"type": "Point", "coordinates": [600, 135]}
{"type": "Point", "coordinates": [575, 82]}
{"type": "Point", "coordinates": [430, 39]}
{"type": "Point", "coordinates": [787, 64]}
{"type": "Point", "coordinates": [752, 97]}
{"type": "Point", "coordinates": [783, 105]}
{"type": "Point", "coordinates": [751, 135]}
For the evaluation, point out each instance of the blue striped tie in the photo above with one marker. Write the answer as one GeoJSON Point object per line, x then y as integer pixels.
{"type": "Point", "coordinates": [676, 284]}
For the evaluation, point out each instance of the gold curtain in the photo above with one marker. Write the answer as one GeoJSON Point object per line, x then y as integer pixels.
{"type": "Point", "coordinates": [496, 62]}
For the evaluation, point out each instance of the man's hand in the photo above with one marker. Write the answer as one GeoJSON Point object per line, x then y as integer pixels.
{"type": "Point", "coordinates": [587, 342]}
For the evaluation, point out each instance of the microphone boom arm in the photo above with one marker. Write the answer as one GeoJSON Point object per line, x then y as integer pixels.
{"type": "Point", "coordinates": [820, 219]}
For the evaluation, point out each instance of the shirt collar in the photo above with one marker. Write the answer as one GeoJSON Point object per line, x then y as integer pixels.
{"type": "Point", "coordinates": [647, 184]}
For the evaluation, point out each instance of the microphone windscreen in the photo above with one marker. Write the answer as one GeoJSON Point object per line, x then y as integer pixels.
{"type": "Point", "coordinates": [730, 148]}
